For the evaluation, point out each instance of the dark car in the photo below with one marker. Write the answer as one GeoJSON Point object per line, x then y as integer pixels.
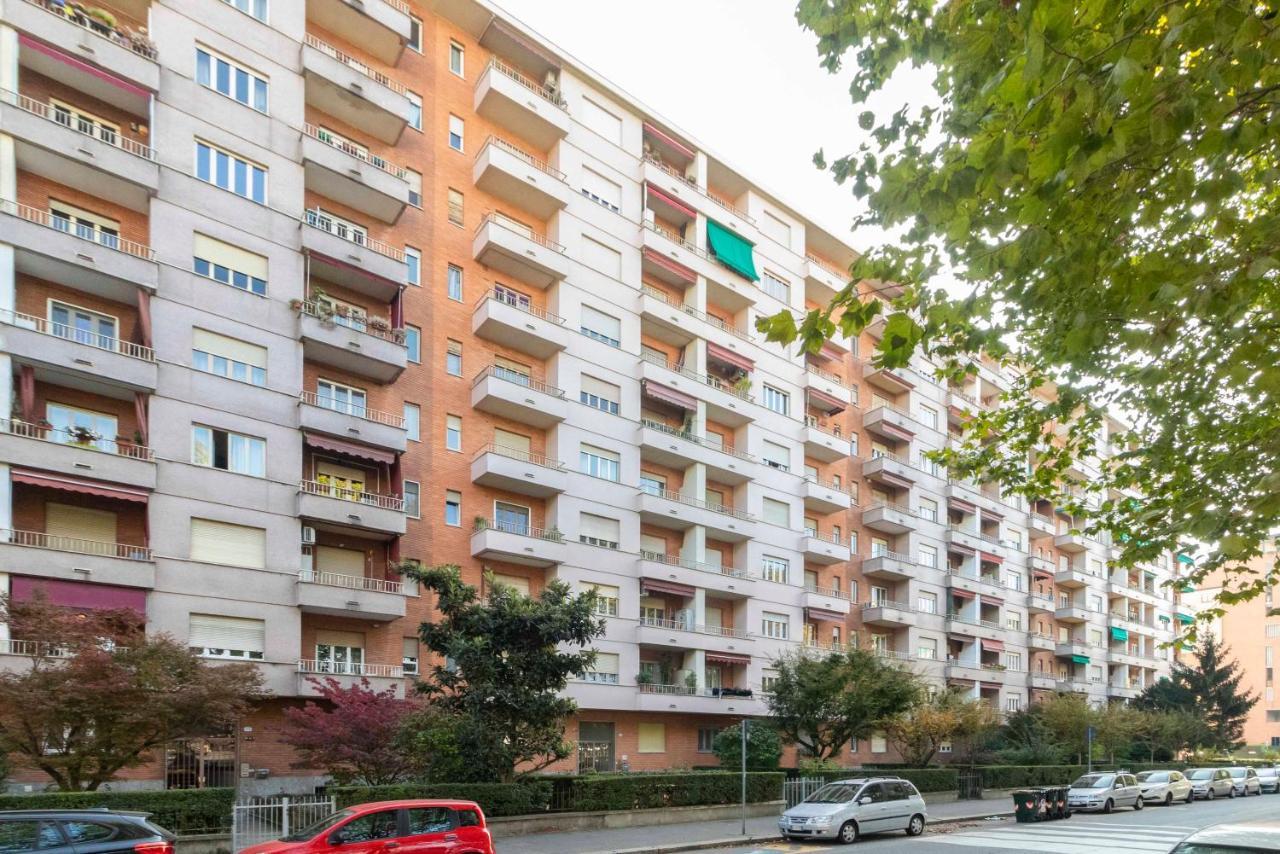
{"type": "Point", "coordinates": [1237, 837]}
{"type": "Point", "coordinates": [410, 827]}
{"type": "Point", "coordinates": [82, 832]}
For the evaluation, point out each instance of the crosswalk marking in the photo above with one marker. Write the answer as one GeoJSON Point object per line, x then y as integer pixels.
{"type": "Point", "coordinates": [1067, 838]}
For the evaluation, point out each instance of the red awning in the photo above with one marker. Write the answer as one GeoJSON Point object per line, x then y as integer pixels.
{"type": "Point", "coordinates": [893, 479]}
{"type": "Point", "coordinates": [653, 585]}
{"type": "Point", "coordinates": [672, 267]}
{"type": "Point", "coordinates": [354, 268]}
{"type": "Point", "coordinates": [991, 557]}
{"type": "Point", "coordinates": [962, 505]}
{"type": "Point", "coordinates": [83, 595]}
{"type": "Point", "coordinates": [828, 402]}
{"type": "Point", "coordinates": [961, 637]}
{"type": "Point", "coordinates": [995, 513]}
{"type": "Point", "coordinates": [67, 483]}
{"type": "Point", "coordinates": [671, 201]}
{"type": "Point", "coordinates": [728, 357]}
{"type": "Point", "coordinates": [995, 600]}
{"type": "Point", "coordinates": [727, 658]}
{"type": "Point", "coordinates": [993, 645]}
{"type": "Point", "coordinates": [962, 594]}
{"type": "Point", "coordinates": [961, 548]}
{"type": "Point", "coordinates": [824, 614]}
{"type": "Point", "coordinates": [669, 141]}
{"type": "Point", "coordinates": [351, 449]}
{"type": "Point", "coordinates": [1043, 573]}
{"type": "Point", "coordinates": [667, 394]}
{"type": "Point", "coordinates": [895, 431]}
{"type": "Point", "coordinates": [79, 65]}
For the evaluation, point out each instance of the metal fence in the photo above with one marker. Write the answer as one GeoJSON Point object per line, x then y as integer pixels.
{"type": "Point", "coordinates": [796, 790]}
{"type": "Point", "coordinates": [264, 819]}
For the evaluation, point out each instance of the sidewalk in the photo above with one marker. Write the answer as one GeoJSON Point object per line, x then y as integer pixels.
{"type": "Point", "coordinates": [684, 837]}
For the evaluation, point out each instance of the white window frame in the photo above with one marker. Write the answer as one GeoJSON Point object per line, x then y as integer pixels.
{"type": "Point", "coordinates": [254, 79]}
{"type": "Point", "coordinates": [233, 159]}
{"type": "Point", "coordinates": [458, 50]}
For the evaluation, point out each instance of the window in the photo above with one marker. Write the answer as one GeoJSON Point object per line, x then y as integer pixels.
{"type": "Point", "coordinates": [775, 286]}
{"type": "Point", "coordinates": [454, 283]}
{"type": "Point", "coordinates": [602, 258]}
{"type": "Point", "coordinates": [775, 569]}
{"type": "Point", "coordinates": [68, 424]}
{"type": "Point", "coordinates": [518, 583]}
{"type": "Point", "coordinates": [222, 449]}
{"type": "Point", "coordinates": [415, 33]}
{"type": "Point", "coordinates": [775, 229]}
{"type": "Point", "coordinates": [929, 416]}
{"type": "Point", "coordinates": [457, 59]}
{"type": "Point", "coordinates": [453, 358]}
{"type": "Point", "coordinates": [226, 170]}
{"type": "Point", "coordinates": [412, 500]}
{"type": "Point", "coordinates": [599, 462]}
{"type": "Point", "coordinates": [228, 357]}
{"type": "Point", "coordinates": [413, 343]}
{"type": "Point", "coordinates": [228, 544]}
{"type": "Point", "coordinates": [339, 652]}
{"type": "Point", "coordinates": [600, 120]}
{"type": "Point", "coordinates": [414, 179]}
{"type": "Point", "coordinates": [776, 512]}
{"type": "Point", "coordinates": [409, 656]}
{"type": "Point", "coordinates": [1012, 703]}
{"type": "Point", "coordinates": [82, 325]}
{"type": "Point", "coordinates": [778, 401]}
{"type": "Point", "coordinates": [412, 266]}
{"type": "Point", "coordinates": [452, 507]}
{"type": "Point", "coordinates": [599, 394]}
{"type": "Point", "coordinates": [341, 398]}
{"type": "Point", "coordinates": [927, 603]}
{"type": "Point", "coordinates": [415, 110]}
{"type": "Point", "coordinates": [598, 531]}
{"type": "Point", "coordinates": [1013, 621]}
{"type": "Point", "coordinates": [412, 413]}
{"type": "Point", "coordinates": [606, 599]}
{"type": "Point", "coordinates": [878, 744]}
{"type": "Point", "coordinates": [775, 626]}
{"type": "Point", "coordinates": [928, 556]}
{"type": "Point", "coordinates": [214, 636]}
{"type": "Point", "coordinates": [927, 648]}
{"type": "Point", "coordinates": [231, 79]}
{"type": "Point", "coordinates": [255, 8]}
{"type": "Point", "coordinates": [652, 738]}
{"type": "Point", "coordinates": [230, 265]}
{"type": "Point", "coordinates": [777, 456]}
{"type": "Point", "coordinates": [927, 509]}
{"type": "Point", "coordinates": [85, 225]}
{"type": "Point", "coordinates": [600, 326]}
{"type": "Point", "coordinates": [706, 738]}
{"type": "Point", "coordinates": [604, 670]}
{"type": "Point", "coordinates": [457, 131]}
{"type": "Point", "coordinates": [1013, 660]}
{"type": "Point", "coordinates": [601, 190]}
{"type": "Point", "coordinates": [453, 432]}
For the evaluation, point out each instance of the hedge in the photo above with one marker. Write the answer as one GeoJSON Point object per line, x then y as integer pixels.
{"type": "Point", "coordinates": [653, 791]}
{"type": "Point", "coordinates": [496, 799]}
{"type": "Point", "coordinates": [183, 811]}
{"type": "Point", "coordinates": [925, 779]}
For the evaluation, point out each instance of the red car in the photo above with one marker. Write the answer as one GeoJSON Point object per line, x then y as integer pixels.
{"type": "Point", "coordinates": [405, 827]}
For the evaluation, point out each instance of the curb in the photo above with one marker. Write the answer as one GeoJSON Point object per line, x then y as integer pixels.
{"type": "Point", "coordinates": [754, 840]}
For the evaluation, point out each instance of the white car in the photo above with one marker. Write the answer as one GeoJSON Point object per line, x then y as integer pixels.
{"type": "Point", "coordinates": [1210, 783]}
{"type": "Point", "coordinates": [1245, 781]}
{"type": "Point", "coordinates": [847, 809]}
{"type": "Point", "coordinates": [1105, 791]}
{"type": "Point", "coordinates": [1164, 787]}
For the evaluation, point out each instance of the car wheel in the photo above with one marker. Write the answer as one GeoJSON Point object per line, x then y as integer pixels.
{"type": "Point", "coordinates": [1138, 804]}
{"type": "Point", "coordinates": [1168, 798]}
{"type": "Point", "coordinates": [1106, 808]}
{"type": "Point", "coordinates": [848, 833]}
{"type": "Point", "coordinates": [1232, 793]}
{"type": "Point", "coordinates": [915, 827]}
{"type": "Point", "coordinates": [1191, 796]}
{"type": "Point", "coordinates": [1209, 795]}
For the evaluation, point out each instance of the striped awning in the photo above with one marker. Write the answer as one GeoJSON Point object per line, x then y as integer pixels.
{"type": "Point", "coordinates": [654, 585]}
{"type": "Point", "coordinates": [991, 557]}
{"type": "Point", "coordinates": [993, 645]}
{"type": "Point", "coordinates": [81, 485]}
{"type": "Point", "coordinates": [676, 269]}
{"type": "Point", "coordinates": [350, 449]}
{"type": "Point", "coordinates": [729, 357]}
{"type": "Point", "coordinates": [827, 403]}
{"type": "Point", "coordinates": [962, 594]}
{"type": "Point", "coordinates": [824, 614]}
{"type": "Point", "coordinates": [667, 394]}
{"type": "Point", "coordinates": [727, 658]}
{"type": "Point", "coordinates": [670, 201]}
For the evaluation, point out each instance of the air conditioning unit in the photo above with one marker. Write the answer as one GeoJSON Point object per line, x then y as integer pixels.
{"type": "Point", "coordinates": [308, 535]}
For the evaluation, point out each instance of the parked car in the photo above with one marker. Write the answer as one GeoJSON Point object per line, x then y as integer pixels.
{"type": "Point", "coordinates": [1105, 791]}
{"type": "Point", "coordinates": [95, 831]}
{"type": "Point", "coordinates": [1269, 780]}
{"type": "Point", "coordinates": [847, 809]}
{"type": "Point", "coordinates": [1237, 837]}
{"type": "Point", "coordinates": [1245, 781]}
{"type": "Point", "coordinates": [412, 827]}
{"type": "Point", "coordinates": [1210, 783]}
{"type": "Point", "coordinates": [1164, 787]}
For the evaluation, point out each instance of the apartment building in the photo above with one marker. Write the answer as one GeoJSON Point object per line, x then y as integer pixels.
{"type": "Point", "coordinates": [293, 293]}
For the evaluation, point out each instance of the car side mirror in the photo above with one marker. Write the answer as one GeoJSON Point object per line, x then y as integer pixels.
{"type": "Point", "coordinates": [864, 800]}
{"type": "Point", "coordinates": [337, 837]}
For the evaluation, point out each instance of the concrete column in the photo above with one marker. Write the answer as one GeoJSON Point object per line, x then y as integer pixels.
{"type": "Point", "coordinates": [6, 484]}
{"type": "Point", "coordinates": [8, 293]}
{"type": "Point", "coordinates": [8, 172]}
{"type": "Point", "coordinates": [698, 171]}
{"type": "Point", "coordinates": [699, 606]}
{"type": "Point", "coordinates": [8, 58]}
{"type": "Point", "coordinates": [694, 547]}
{"type": "Point", "coordinates": [697, 662]}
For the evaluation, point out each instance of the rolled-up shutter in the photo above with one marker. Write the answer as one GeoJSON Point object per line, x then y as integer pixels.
{"type": "Point", "coordinates": [777, 512]}
{"type": "Point", "coordinates": [511, 441]}
{"type": "Point", "coordinates": [231, 257]}
{"type": "Point", "coordinates": [516, 582]}
{"type": "Point", "coordinates": [208, 631]}
{"type": "Point", "coordinates": [778, 456]}
{"type": "Point", "coordinates": [329, 637]}
{"type": "Point", "coordinates": [229, 348]}
{"type": "Point", "coordinates": [64, 520]}
{"type": "Point", "coordinates": [600, 388]}
{"type": "Point", "coordinates": [225, 543]}
{"type": "Point", "coordinates": [602, 324]}
{"type": "Point", "coordinates": [340, 561]}
{"type": "Point", "coordinates": [598, 527]}
{"type": "Point", "coordinates": [606, 662]}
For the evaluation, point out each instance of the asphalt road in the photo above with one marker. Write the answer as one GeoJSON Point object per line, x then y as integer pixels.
{"type": "Point", "coordinates": [1154, 830]}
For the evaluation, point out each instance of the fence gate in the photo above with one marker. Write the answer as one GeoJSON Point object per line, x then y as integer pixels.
{"type": "Point", "coordinates": [970, 787]}
{"type": "Point", "coordinates": [263, 819]}
{"type": "Point", "coordinates": [796, 790]}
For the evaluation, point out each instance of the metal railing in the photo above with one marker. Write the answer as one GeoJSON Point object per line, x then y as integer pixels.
{"type": "Point", "coordinates": [350, 582]}
{"type": "Point", "coordinates": [686, 626]}
{"type": "Point", "coordinates": [348, 668]}
{"type": "Point", "coordinates": [515, 151]}
{"type": "Point", "coordinates": [541, 91]}
{"type": "Point", "coordinates": [897, 508]}
{"type": "Point", "coordinates": [79, 336]}
{"type": "Point", "coordinates": [362, 323]}
{"type": "Point", "coordinates": [831, 538]}
{"type": "Point", "coordinates": [67, 119]}
{"type": "Point", "coordinates": [696, 502]}
{"type": "Point", "coordinates": [68, 436]}
{"type": "Point", "coordinates": [41, 540]}
{"type": "Point", "coordinates": [828, 484]}
{"type": "Point", "coordinates": [320, 220]}
{"type": "Point", "coordinates": [827, 591]}
{"type": "Point", "coordinates": [355, 64]}
{"type": "Point", "coordinates": [676, 560]}
{"type": "Point", "coordinates": [348, 408]}
{"type": "Point", "coordinates": [520, 529]}
{"type": "Point", "coordinates": [886, 603]}
{"type": "Point", "coordinates": [685, 308]}
{"type": "Point", "coordinates": [493, 218]}
{"type": "Point", "coordinates": [681, 433]}
{"type": "Point", "coordinates": [521, 455]}
{"type": "Point", "coordinates": [675, 690]}
{"type": "Point", "coordinates": [356, 496]}
{"type": "Point", "coordinates": [826, 375]}
{"type": "Point", "coordinates": [357, 151]}
{"type": "Point", "coordinates": [531, 310]}
{"type": "Point", "coordinates": [675, 238]}
{"type": "Point", "coordinates": [507, 375]}
{"type": "Point", "coordinates": [892, 555]}
{"type": "Point", "coordinates": [823, 265]}
{"type": "Point", "coordinates": [136, 42]}
{"type": "Point", "coordinates": [92, 235]}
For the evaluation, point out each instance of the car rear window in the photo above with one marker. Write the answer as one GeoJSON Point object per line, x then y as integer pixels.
{"type": "Point", "coordinates": [430, 820]}
{"type": "Point", "coordinates": [21, 835]}
{"type": "Point", "coordinates": [468, 818]}
{"type": "Point", "coordinates": [89, 832]}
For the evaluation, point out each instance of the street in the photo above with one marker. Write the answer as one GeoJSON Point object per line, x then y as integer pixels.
{"type": "Point", "coordinates": [1154, 830]}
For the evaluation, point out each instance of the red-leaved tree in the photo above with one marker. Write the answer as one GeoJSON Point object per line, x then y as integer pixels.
{"type": "Point", "coordinates": [353, 733]}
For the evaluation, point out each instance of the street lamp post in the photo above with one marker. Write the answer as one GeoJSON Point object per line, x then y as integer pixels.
{"type": "Point", "coordinates": [743, 730]}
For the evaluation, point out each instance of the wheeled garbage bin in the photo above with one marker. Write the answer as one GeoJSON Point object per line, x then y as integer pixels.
{"type": "Point", "coordinates": [1029, 805]}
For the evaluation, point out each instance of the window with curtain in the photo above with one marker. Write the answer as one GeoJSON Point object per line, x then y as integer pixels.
{"type": "Point", "coordinates": [233, 452]}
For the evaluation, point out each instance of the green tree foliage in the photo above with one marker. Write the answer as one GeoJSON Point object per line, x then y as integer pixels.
{"type": "Point", "coordinates": [946, 718]}
{"type": "Point", "coordinates": [1066, 717]}
{"type": "Point", "coordinates": [764, 748]}
{"type": "Point", "coordinates": [1210, 691]}
{"type": "Point", "coordinates": [1100, 178]}
{"type": "Point", "coordinates": [1026, 740]}
{"type": "Point", "coordinates": [503, 664]}
{"type": "Point", "coordinates": [820, 703]}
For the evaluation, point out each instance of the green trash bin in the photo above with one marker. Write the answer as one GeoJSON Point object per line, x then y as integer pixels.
{"type": "Point", "coordinates": [1028, 805]}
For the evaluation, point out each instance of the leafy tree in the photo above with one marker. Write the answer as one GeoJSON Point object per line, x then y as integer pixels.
{"type": "Point", "coordinates": [764, 748]}
{"type": "Point", "coordinates": [922, 730]}
{"type": "Point", "coordinates": [1209, 690]}
{"type": "Point", "coordinates": [1161, 735]}
{"type": "Point", "coordinates": [352, 734]}
{"type": "Point", "coordinates": [503, 664]}
{"type": "Point", "coordinates": [101, 695]}
{"type": "Point", "coordinates": [1026, 740]}
{"type": "Point", "coordinates": [1099, 180]}
{"type": "Point", "coordinates": [1066, 717]}
{"type": "Point", "coordinates": [1116, 725]}
{"type": "Point", "coordinates": [820, 703]}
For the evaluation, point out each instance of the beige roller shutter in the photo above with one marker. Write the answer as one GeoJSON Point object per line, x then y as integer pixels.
{"type": "Point", "coordinates": [598, 527]}
{"type": "Point", "coordinates": [230, 348]}
{"type": "Point", "coordinates": [519, 584]}
{"type": "Point", "coordinates": [329, 637]}
{"type": "Point", "coordinates": [82, 523]}
{"type": "Point", "coordinates": [653, 545]}
{"type": "Point", "coordinates": [600, 388]}
{"type": "Point", "coordinates": [235, 633]}
{"type": "Point", "coordinates": [232, 257]}
{"type": "Point", "coordinates": [225, 543]}
{"type": "Point", "coordinates": [340, 561]}
{"type": "Point", "coordinates": [606, 662]}
{"type": "Point", "coordinates": [511, 441]}
{"type": "Point", "coordinates": [712, 617]}
{"type": "Point", "coordinates": [341, 472]}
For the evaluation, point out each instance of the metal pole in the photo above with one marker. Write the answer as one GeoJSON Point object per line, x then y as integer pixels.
{"type": "Point", "coordinates": [743, 728]}
{"type": "Point", "coordinates": [284, 822]}
{"type": "Point", "coordinates": [1088, 735]}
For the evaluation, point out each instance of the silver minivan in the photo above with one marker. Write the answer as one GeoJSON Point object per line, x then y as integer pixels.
{"type": "Point", "coordinates": [847, 809]}
{"type": "Point", "coordinates": [1105, 791]}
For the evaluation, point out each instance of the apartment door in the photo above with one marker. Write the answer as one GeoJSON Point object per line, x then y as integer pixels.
{"type": "Point", "coordinates": [511, 518]}
{"type": "Point", "coordinates": [71, 426]}
{"type": "Point", "coordinates": [340, 652]}
{"type": "Point", "coordinates": [345, 483]}
{"type": "Point", "coordinates": [78, 324]}
{"type": "Point", "coordinates": [595, 747]}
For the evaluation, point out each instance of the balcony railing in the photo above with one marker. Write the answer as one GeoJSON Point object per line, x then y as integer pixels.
{"type": "Point", "coordinates": [830, 268]}
{"type": "Point", "coordinates": [348, 668]}
{"type": "Point", "coordinates": [827, 591]}
{"type": "Point", "coordinates": [41, 540]}
{"type": "Point", "coordinates": [64, 117]}
{"type": "Point", "coordinates": [357, 496]}
{"type": "Point", "coordinates": [348, 408]}
{"type": "Point", "coordinates": [376, 327]}
{"type": "Point", "coordinates": [814, 422]}
{"type": "Point", "coordinates": [355, 64]}
{"type": "Point", "coordinates": [520, 529]}
{"type": "Point", "coordinates": [826, 375]}
{"type": "Point", "coordinates": [702, 191]}
{"type": "Point", "coordinates": [531, 310]}
{"type": "Point", "coordinates": [501, 373]}
{"type": "Point", "coordinates": [358, 152]}
{"type": "Point", "coordinates": [541, 91]}
{"type": "Point", "coordinates": [317, 218]}
{"type": "Point", "coordinates": [828, 484]}
{"type": "Point", "coordinates": [521, 455]}
{"type": "Point", "coordinates": [676, 560]}
{"type": "Point", "coordinates": [675, 238]}
{"type": "Point", "coordinates": [696, 502]}
{"type": "Point", "coordinates": [886, 603]}
{"type": "Point", "coordinates": [492, 218]}
{"type": "Point", "coordinates": [892, 555]}
{"type": "Point", "coordinates": [514, 150]}
{"type": "Point", "coordinates": [832, 538]}
{"type": "Point", "coordinates": [351, 582]}
{"type": "Point", "coordinates": [688, 626]}
{"type": "Point", "coordinates": [93, 235]}
{"type": "Point", "coordinates": [679, 433]}
{"type": "Point", "coordinates": [80, 336]}
{"type": "Point", "coordinates": [123, 36]}
{"type": "Point", "coordinates": [718, 323]}
{"type": "Point", "coordinates": [897, 508]}
{"type": "Point", "coordinates": [72, 438]}
{"type": "Point", "coordinates": [670, 690]}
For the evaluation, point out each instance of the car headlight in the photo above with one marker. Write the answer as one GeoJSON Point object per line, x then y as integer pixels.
{"type": "Point", "coordinates": [820, 820]}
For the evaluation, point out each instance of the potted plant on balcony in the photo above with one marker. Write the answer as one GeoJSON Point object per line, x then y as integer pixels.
{"type": "Point", "coordinates": [480, 523]}
{"type": "Point", "coordinates": [691, 681]}
{"type": "Point", "coordinates": [102, 21]}
{"type": "Point", "coordinates": [296, 304]}
{"type": "Point", "coordinates": [82, 436]}
{"type": "Point", "coordinates": [742, 383]}
{"type": "Point", "coordinates": [644, 677]}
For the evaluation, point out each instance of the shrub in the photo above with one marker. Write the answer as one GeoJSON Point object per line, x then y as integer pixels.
{"type": "Point", "coordinates": [183, 811]}
{"type": "Point", "coordinates": [764, 748]}
{"type": "Point", "coordinates": [495, 799]}
{"type": "Point", "coordinates": [653, 791]}
{"type": "Point", "coordinates": [925, 779]}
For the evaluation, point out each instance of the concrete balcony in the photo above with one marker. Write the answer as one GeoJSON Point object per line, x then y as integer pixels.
{"type": "Point", "coordinates": [889, 566]}
{"type": "Point", "coordinates": [519, 544]}
{"type": "Point", "coordinates": [513, 101]}
{"type": "Point", "coordinates": [674, 510]}
{"type": "Point", "coordinates": [889, 518]}
{"type": "Point", "coordinates": [821, 444]}
{"type": "Point", "coordinates": [965, 671]}
{"type": "Point", "coordinates": [891, 614]}
{"type": "Point", "coordinates": [679, 698]}
{"type": "Point", "coordinates": [521, 327]}
{"type": "Point", "coordinates": [1124, 692]}
{"type": "Point", "coordinates": [352, 92]}
{"type": "Point", "coordinates": [723, 581]}
{"type": "Point", "coordinates": [1126, 658]}
{"type": "Point", "coordinates": [381, 28]}
{"type": "Point", "coordinates": [825, 279]}
{"type": "Point", "coordinates": [824, 497]}
{"type": "Point", "coordinates": [1043, 682]}
{"type": "Point", "coordinates": [670, 258]}
{"type": "Point", "coordinates": [1069, 542]}
{"type": "Point", "coordinates": [380, 356]}
{"type": "Point", "coordinates": [1039, 527]}
{"type": "Point", "coordinates": [823, 550]}
{"type": "Point", "coordinates": [892, 422]}
{"type": "Point", "coordinates": [335, 595]}
{"type": "Point", "coordinates": [521, 472]}
{"type": "Point", "coordinates": [528, 401]}
{"type": "Point", "coordinates": [1041, 642]}
{"type": "Point", "coordinates": [1071, 614]}
{"type": "Point", "coordinates": [888, 379]}
{"type": "Point", "coordinates": [1040, 604]}
{"type": "Point", "coordinates": [75, 559]}
{"type": "Point", "coordinates": [822, 599]}
{"type": "Point", "coordinates": [890, 469]}
{"type": "Point", "coordinates": [50, 143]}
{"type": "Point", "coordinates": [684, 635]}
{"type": "Point", "coordinates": [1072, 578]}
{"type": "Point", "coordinates": [528, 183]}
{"type": "Point", "coordinates": [968, 539]}
{"type": "Point", "coordinates": [825, 382]}
{"type": "Point", "coordinates": [352, 259]}
{"type": "Point", "coordinates": [340, 418]}
{"type": "Point", "coordinates": [677, 448]}
{"type": "Point", "coordinates": [312, 676]}
{"type": "Point", "coordinates": [350, 508]}
{"type": "Point", "coordinates": [99, 361]}
{"type": "Point", "coordinates": [1075, 647]}
{"type": "Point", "coordinates": [340, 171]}
{"type": "Point", "coordinates": [511, 250]}
{"type": "Point", "coordinates": [105, 458]}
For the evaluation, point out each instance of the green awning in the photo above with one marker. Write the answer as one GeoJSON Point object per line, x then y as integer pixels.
{"type": "Point", "coordinates": [1119, 634]}
{"type": "Point", "coordinates": [731, 250]}
{"type": "Point", "coordinates": [1187, 588]}
{"type": "Point", "coordinates": [1162, 618]}
{"type": "Point", "coordinates": [1186, 559]}
{"type": "Point", "coordinates": [1080, 659]}
{"type": "Point", "coordinates": [1185, 618]}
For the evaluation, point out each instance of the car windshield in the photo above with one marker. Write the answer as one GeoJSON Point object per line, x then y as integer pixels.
{"type": "Point", "coordinates": [1238, 773]}
{"type": "Point", "coordinates": [1268, 772]}
{"type": "Point", "coordinates": [1094, 781]}
{"type": "Point", "coordinates": [833, 793]}
{"type": "Point", "coordinates": [1153, 777]}
{"type": "Point", "coordinates": [1201, 774]}
{"type": "Point", "coordinates": [319, 827]}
